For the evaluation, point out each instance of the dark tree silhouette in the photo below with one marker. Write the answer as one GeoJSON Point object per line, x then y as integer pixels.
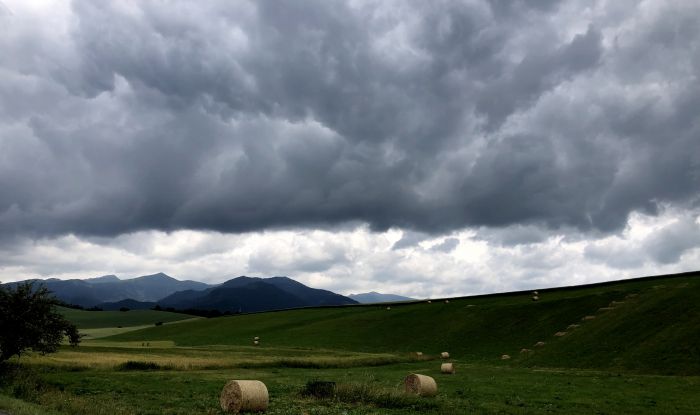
{"type": "Point", "coordinates": [29, 321]}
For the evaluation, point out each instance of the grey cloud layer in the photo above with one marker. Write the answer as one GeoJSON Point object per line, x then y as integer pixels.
{"type": "Point", "coordinates": [429, 116]}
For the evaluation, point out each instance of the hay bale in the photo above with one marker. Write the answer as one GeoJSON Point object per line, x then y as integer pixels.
{"type": "Point", "coordinates": [573, 326]}
{"type": "Point", "coordinates": [430, 302]}
{"type": "Point", "coordinates": [535, 293]}
{"type": "Point", "coordinates": [505, 356]}
{"type": "Point", "coordinates": [535, 298]}
{"type": "Point", "coordinates": [447, 368]}
{"type": "Point", "coordinates": [540, 344]}
{"type": "Point", "coordinates": [588, 318]}
{"type": "Point", "coordinates": [525, 350]}
{"type": "Point", "coordinates": [419, 353]}
{"type": "Point", "coordinates": [388, 308]}
{"type": "Point", "coordinates": [560, 334]}
{"type": "Point", "coordinates": [445, 355]}
{"type": "Point", "coordinates": [256, 338]}
{"type": "Point", "coordinates": [447, 301]}
{"type": "Point", "coordinates": [244, 395]}
{"type": "Point", "coordinates": [421, 385]}
{"type": "Point", "coordinates": [256, 342]}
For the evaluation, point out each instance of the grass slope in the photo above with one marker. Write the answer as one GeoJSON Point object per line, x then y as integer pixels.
{"type": "Point", "coordinates": [647, 325]}
{"type": "Point", "coordinates": [112, 319]}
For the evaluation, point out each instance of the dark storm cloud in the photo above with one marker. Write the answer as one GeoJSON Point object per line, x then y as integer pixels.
{"type": "Point", "coordinates": [427, 116]}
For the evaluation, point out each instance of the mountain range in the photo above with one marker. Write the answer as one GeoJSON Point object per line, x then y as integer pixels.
{"type": "Point", "coordinates": [92, 292]}
{"type": "Point", "coordinates": [246, 294]}
{"type": "Point", "coordinates": [241, 294]}
{"type": "Point", "coordinates": [375, 297]}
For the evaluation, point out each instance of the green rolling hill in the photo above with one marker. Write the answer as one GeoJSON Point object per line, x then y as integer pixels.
{"type": "Point", "coordinates": [106, 319]}
{"type": "Point", "coordinates": [646, 325]}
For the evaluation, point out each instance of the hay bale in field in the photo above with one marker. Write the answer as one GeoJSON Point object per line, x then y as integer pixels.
{"type": "Point", "coordinates": [421, 385]}
{"type": "Point", "coordinates": [447, 368]}
{"type": "Point", "coordinates": [540, 344]}
{"type": "Point", "coordinates": [535, 293]}
{"type": "Point", "coordinates": [525, 350]}
{"type": "Point", "coordinates": [573, 326]}
{"type": "Point", "coordinates": [244, 395]}
{"type": "Point", "coordinates": [535, 298]}
{"type": "Point", "coordinates": [430, 302]}
{"type": "Point", "coordinates": [588, 318]}
{"type": "Point", "coordinates": [256, 342]}
{"type": "Point", "coordinates": [447, 301]}
{"type": "Point", "coordinates": [505, 356]}
{"type": "Point", "coordinates": [560, 334]}
{"type": "Point", "coordinates": [445, 355]}
{"type": "Point", "coordinates": [388, 308]}
{"type": "Point", "coordinates": [419, 353]}
{"type": "Point", "coordinates": [256, 338]}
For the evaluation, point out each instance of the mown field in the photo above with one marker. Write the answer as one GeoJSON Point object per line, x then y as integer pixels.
{"type": "Point", "coordinates": [638, 354]}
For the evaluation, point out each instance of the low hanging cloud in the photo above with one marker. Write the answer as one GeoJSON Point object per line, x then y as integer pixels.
{"type": "Point", "coordinates": [234, 117]}
{"type": "Point", "coordinates": [664, 244]}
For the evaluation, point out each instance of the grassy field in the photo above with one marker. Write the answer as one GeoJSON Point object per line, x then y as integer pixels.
{"type": "Point", "coordinates": [647, 326]}
{"type": "Point", "coordinates": [107, 319]}
{"type": "Point", "coordinates": [638, 355]}
{"type": "Point", "coordinates": [98, 324]}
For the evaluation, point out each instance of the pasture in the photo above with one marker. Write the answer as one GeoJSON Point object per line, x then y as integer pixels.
{"type": "Point", "coordinates": [639, 354]}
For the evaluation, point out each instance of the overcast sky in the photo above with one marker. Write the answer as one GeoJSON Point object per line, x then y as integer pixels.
{"type": "Point", "coordinates": [420, 148]}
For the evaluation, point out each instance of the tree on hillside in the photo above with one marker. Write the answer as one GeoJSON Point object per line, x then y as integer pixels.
{"type": "Point", "coordinates": [29, 321]}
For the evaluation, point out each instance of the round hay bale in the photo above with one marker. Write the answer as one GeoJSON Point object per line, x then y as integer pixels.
{"type": "Point", "coordinates": [525, 350]}
{"type": "Point", "coordinates": [505, 356]}
{"type": "Point", "coordinates": [535, 293]}
{"type": "Point", "coordinates": [421, 385]}
{"type": "Point", "coordinates": [445, 355]}
{"type": "Point", "coordinates": [560, 334]}
{"type": "Point", "coordinates": [256, 338]}
{"type": "Point", "coordinates": [244, 395]}
{"type": "Point", "coordinates": [388, 308]}
{"type": "Point", "coordinates": [256, 342]}
{"type": "Point", "coordinates": [429, 302]}
{"type": "Point", "coordinates": [447, 301]}
{"type": "Point", "coordinates": [573, 326]}
{"type": "Point", "coordinates": [419, 353]}
{"type": "Point", "coordinates": [447, 368]}
{"type": "Point", "coordinates": [535, 298]}
{"type": "Point", "coordinates": [540, 344]}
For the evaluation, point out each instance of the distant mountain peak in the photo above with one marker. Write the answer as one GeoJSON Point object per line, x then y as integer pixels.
{"type": "Point", "coordinates": [255, 294]}
{"type": "Point", "coordinates": [104, 278]}
{"type": "Point", "coordinates": [375, 297]}
{"type": "Point", "coordinates": [158, 276]}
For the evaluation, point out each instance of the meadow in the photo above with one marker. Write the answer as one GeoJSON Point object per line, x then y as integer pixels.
{"type": "Point", "coordinates": [639, 354]}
